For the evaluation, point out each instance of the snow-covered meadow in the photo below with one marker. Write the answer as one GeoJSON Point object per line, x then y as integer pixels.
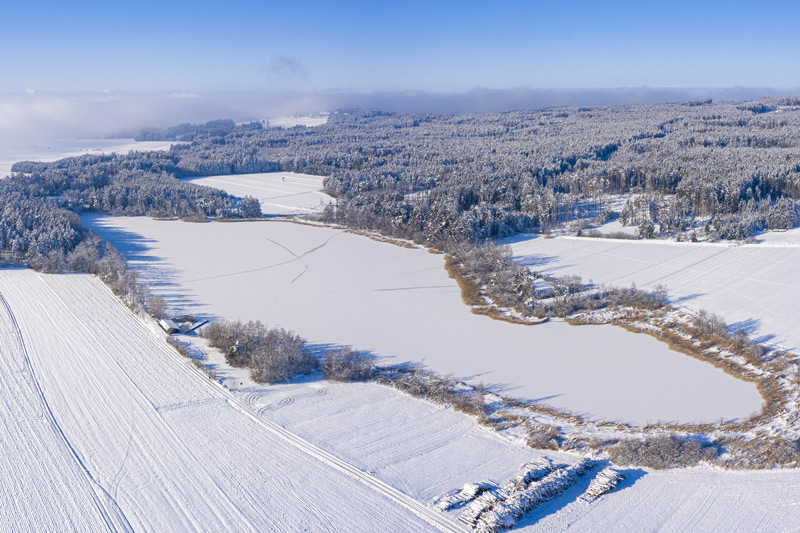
{"type": "Point", "coordinates": [106, 427]}
{"type": "Point", "coordinates": [334, 287]}
{"type": "Point", "coordinates": [754, 287]}
{"type": "Point", "coordinates": [694, 499]}
{"type": "Point", "coordinates": [280, 193]}
{"type": "Point", "coordinates": [95, 440]}
{"type": "Point", "coordinates": [308, 121]}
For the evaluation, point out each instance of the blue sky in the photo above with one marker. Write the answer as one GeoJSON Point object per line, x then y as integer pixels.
{"type": "Point", "coordinates": [92, 68]}
{"type": "Point", "coordinates": [365, 46]}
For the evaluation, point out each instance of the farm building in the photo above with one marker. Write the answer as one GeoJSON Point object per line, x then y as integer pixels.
{"type": "Point", "coordinates": [169, 326]}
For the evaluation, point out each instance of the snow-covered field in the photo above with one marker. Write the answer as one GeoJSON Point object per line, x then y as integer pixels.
{"type": "Point", "coordinates": [57, 149]}
{"type": "Point", "coordinates": [695, 499]}
{"type": "Point", "coordinates": [105, 427]}
{"type": "Point", "coordinates": [426, 450]}
{"type": "Point", "coordinates": [308, 121]}
{"type": "Point", "coordinates": [417, 447]}
{"type": "Point", "coordinates": [334, 287]}
{"type": "Point", "coordinates": [281, 193]}
{"type": "Point", "coordinates": [754, 287]}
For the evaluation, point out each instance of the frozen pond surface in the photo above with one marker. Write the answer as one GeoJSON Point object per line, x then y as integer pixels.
{"type": "Point", "coordinates": [333, 287]}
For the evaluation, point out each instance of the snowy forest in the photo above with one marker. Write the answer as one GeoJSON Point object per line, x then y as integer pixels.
{"type": "Point", "coordinates": [446, 179]}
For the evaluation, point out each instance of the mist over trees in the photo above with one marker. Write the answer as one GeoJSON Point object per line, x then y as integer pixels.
{"type": "Point", "coordinates": [446, 179]}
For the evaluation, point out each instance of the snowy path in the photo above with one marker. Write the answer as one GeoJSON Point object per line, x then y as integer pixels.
{"type": "Point", "coordinates": [173, 449]}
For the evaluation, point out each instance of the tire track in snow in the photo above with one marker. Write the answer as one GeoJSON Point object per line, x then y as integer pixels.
{"type": "Point", "coordinates": [161, 346]}
{"type": "Point", "coordinates": [116, 523]}
{"type": "Point", "coordinates": [252, 398]}
{"type": "Point", "coordinates": [430, 516]}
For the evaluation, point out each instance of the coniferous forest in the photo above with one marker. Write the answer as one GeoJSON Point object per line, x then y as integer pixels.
{"type": "Point", "coordinates": [445, 179]}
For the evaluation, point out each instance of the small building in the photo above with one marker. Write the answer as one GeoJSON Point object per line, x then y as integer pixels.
{"type": "Point", "coordinates": [169, 326]}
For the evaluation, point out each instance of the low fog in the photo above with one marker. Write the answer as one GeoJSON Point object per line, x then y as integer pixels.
{"type": "Point", "coordinates": [33, 116]}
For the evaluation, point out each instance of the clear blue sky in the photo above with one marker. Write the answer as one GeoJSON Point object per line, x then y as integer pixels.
{"type": "Point", "coordinates": [376, 45]}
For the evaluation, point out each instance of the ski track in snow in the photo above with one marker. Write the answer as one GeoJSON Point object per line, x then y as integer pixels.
{"type": "Point", "coordinates": [134, 420]}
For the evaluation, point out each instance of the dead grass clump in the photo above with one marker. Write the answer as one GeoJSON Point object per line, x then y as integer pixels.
{"type": "Point", "coordinates": [759, 453]}
{"type": "Point", "coordinates": [543, 436]}
{"type": "Point", "coordinates": [180, 348]}
{"type": "Point", "coordinates": [660, 452]}
{"type": "Point", "coordinates": [212, 374]}
{"type": "Point", "coordinates": [470, 290]}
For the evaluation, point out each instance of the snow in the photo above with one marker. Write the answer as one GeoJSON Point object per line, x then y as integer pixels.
{"type": "Point", "coordinates": [615, 226]}
{"type": "Point", "coordinates": [283, 193]}
{"type": "Point", "coordinates": [791, 236]}
{"type": "Point", "coordinates": [697, 499]}
{"type": "Point", "coordinates": [308, 121]}
{"type": "Point", "coordinates": [106, 427]}
{"type": "Point", "coordinates": [334, 287]}
{"type": "Point", "coordinates": [428, 450]}
{"type": "Point", "coordinates": [754, 287]}
{"type": "Point", "coordinates": [420, 448]}
{"type": "Point", "coordinates": [58, 149]}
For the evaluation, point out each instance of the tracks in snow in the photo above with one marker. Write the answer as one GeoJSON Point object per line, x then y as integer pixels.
{"type": "Point", "coordinates": [432, 517]}
{"type": "Point", "coordinates": [112, 515]}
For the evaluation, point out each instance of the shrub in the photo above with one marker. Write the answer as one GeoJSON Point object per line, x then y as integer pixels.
{"type": "Point", "coordinates": [272, 354]}
{"type": "Point", "coordinates": [346, 364]}
{"type": "Point", "coordinates": [156, 306]}
{"type": "Point", "coordinates": [659, 452]}
{"type": "Point", "coordinates": [280, 355]}
{"type": "Point", "coordinates": [180, 348]}
{"type": "Point", "coordinates": [710, 325]}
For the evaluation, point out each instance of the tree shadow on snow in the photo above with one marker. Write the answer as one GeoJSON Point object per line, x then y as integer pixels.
{"type": "Point", "coordinates": [749, 326]}
{"type": "Point", "coordinates": [520, 237]}
{"type": "Point", "coordinates": [537, 260]}
{"type": "Point", "coordinates": [134, 246]}
{"type": "Point", "coordinates": [151, 269]}
{"type": "Point", "coordinates": [688, 297]}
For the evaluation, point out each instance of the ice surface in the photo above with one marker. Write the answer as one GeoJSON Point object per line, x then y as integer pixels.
{"type": "Point", "coordinates": [334, 287]}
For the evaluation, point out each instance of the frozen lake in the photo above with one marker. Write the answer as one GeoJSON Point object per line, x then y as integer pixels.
{"type": "Point", "coordinates": [333, 287]}
{"type": "Point", "coordinates": [57, 149]}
